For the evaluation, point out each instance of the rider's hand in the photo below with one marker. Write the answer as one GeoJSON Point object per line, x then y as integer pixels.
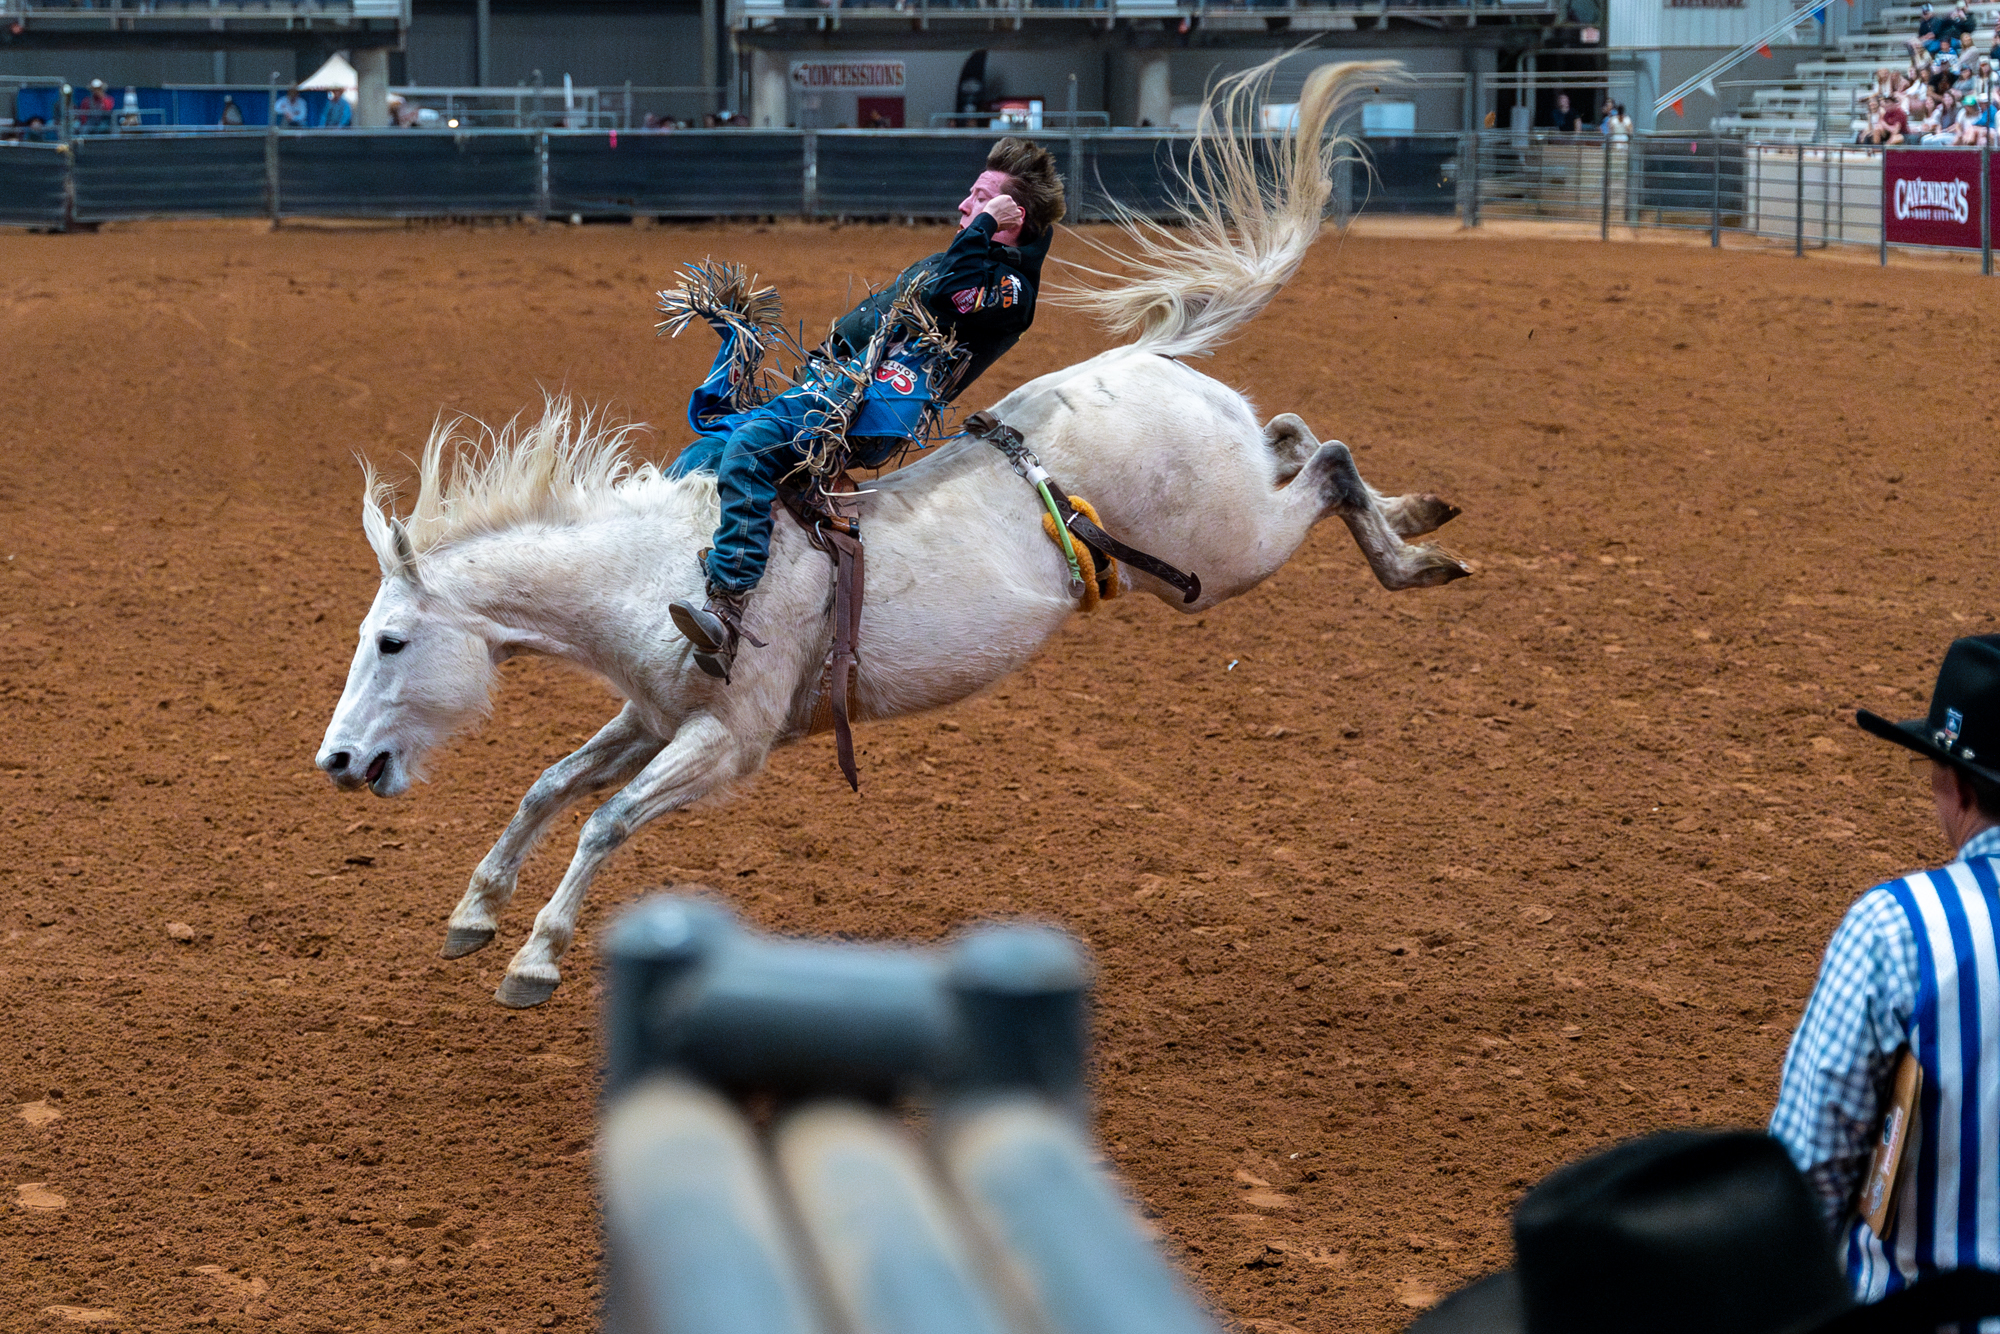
{"type": "Point", "coordinates": [1006, 213]}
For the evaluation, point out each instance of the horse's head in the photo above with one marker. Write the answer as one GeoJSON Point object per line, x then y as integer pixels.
{"type": "Point", "coordinates": [419, 674]}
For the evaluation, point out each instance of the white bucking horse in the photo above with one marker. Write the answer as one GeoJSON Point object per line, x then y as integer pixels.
{"type": "Point", "coordinates": [547, 539]}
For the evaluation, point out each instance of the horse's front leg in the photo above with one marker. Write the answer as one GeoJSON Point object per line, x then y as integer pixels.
{"type": "Point", "coordinates": [621, 748]}
{"type": "Point", "coordinates": [702, 757]}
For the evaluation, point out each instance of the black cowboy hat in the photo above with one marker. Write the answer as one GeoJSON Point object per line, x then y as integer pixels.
{"type": "Point", "coordinates": [1963, 726]}
{"type": "Point", "coordinates": [1688, 1231]}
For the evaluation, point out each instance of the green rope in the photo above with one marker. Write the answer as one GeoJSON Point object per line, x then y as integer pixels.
{"type": "Point", "coordinates": [1062, 532]}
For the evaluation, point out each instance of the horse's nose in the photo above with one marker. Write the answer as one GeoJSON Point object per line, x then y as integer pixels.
{"type": "Point", "coordinates": [335, 763]}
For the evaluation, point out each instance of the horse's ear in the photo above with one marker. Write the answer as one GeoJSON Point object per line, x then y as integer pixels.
{"type": "Point", "coordinates": [406, 555]}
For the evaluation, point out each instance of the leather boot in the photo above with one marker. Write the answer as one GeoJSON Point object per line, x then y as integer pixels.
{"type": "Point", "coordinates": [714, 629]}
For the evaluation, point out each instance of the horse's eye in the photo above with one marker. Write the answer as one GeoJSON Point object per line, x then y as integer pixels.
{"type": "Point", "coordinates": [390, 644]}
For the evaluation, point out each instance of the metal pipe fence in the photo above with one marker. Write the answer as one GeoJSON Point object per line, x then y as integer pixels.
{"type": "Point", "coordinates": [1806, 196]}
{"type": "Point", "coordinates": [1810, 196]}
{"type": "Point", "coordinates": [405, 173]}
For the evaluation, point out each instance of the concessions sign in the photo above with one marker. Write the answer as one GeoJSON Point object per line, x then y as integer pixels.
{"type": "Point", "coordinates": [816, 75]}
{"type": "Point", "coordinates": [1930, 196]}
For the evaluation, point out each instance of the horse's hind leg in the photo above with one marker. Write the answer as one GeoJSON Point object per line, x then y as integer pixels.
{"type": "Point", "coordinates": [621, 748]}
{"type": "Point", "coordinates": [1291, 441]}
{"type": "Point", "coordinates": [1331, 479]}
{"type": "Point", "coordinates": [702, 757]}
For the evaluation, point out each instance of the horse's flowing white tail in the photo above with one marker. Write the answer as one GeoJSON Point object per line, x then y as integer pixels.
{"type": "Point", "coordinates": [1240, 234]}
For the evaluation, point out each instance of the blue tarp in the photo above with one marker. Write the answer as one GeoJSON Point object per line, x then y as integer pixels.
{"type": "Point", "coordinates": [166, 106]}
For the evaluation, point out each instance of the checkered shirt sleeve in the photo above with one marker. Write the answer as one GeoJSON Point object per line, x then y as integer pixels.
{"type": "Point", "coordinates": [1837, 1071]}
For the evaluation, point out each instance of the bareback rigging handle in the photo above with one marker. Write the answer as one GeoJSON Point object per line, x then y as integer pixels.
{"type": "Point", "coordinates": [985, 426]}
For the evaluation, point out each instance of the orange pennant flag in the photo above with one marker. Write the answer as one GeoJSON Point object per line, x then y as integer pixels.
{"type": "Point", "coordinates": [1765, 51]}
{"type": "Point", "coordinates": [1679, 102]}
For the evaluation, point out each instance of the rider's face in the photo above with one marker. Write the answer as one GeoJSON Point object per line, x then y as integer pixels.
{"type": "Point", "coordinates": [989, 185]}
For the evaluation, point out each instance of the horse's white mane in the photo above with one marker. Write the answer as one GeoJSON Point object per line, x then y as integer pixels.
{"type": "Point", "coordinates": [474, 479]}
{"type": "Point", "coordinates": [1237, 235]}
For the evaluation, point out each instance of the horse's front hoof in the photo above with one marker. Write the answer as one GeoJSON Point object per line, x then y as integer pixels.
{"type": "Point", "coordinates": [524, 993]}
{"type": "Point", "coordinates": [460, 941]}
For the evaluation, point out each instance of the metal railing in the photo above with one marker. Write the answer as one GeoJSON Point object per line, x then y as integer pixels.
{"type": "Point", "coordinates": [1807, 196]}
{"type": "Point", "coordinates": [1303, 14]}
{"type": "Point", "coordinates": [140, 15]}
{"type": "Point", "coordinates": [194, 108]}
{"type": "Point", "coordinates": [1804, 196]}
{"type": "Point", "coordinates": [408, 173]}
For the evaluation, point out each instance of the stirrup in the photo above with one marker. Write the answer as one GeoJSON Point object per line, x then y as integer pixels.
{"type": "Point", "coordinates": [714, 630]}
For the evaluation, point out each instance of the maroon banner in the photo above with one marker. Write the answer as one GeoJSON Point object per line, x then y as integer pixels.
{"type": "Point", "coordinates": [1930, 196]}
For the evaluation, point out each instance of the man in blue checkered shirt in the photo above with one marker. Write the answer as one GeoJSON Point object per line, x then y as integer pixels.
{"type": "Point", "coordinates": [1915, 965]}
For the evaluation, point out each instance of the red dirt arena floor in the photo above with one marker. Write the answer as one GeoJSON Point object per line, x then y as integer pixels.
{"type": "Point", "coordinates": [1429, 894]}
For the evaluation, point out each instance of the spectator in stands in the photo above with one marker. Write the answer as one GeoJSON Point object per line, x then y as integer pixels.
{"type": "Point", "coordinates": [1976, 123]}
{"type": "Point", "coordinates": [1957, 29]}
{"type": "Point", "coordinates": [36, 131]}
{"type": "Point", "coordinates": [1927, 31]}
{"type": "Point", "coordinates": [1616, 126]}
{"type": "Point", "coordinates": [94, 116]}
{"type": "Point", "coordinates": [1941, 75]}
{"type": "Point", "coordinates": [1563, 118]}
{"type": "Point", "coordinates": [1982, 79]}
{"type": "Point", "coordinates": [1896, 121]}
{"type": "Point", "coordinates": [339, 111]}
{"type": "Point", "coordinates": [1878, 131]}
{"type": "Point", "coordinates": [231, 113]}
{"type": "Point", "coordinates": [290, 110]}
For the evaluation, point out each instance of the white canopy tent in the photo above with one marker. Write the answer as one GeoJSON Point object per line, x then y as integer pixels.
{"type": "Point", "coordinates": [335, 75]}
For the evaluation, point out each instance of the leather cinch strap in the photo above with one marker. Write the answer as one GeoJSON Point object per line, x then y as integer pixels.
{"type": "Point", "coordinates": [985, 426]}
{"type": "Point", "coordinates": [847, 584]}
{"type": "Point", "coordinates": [832, 524]}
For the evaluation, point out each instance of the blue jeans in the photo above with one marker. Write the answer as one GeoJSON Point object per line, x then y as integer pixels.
{"type": "Point", "coordinates": [751, 451]}
{"type": "Point", "coordinates": [760, 450]}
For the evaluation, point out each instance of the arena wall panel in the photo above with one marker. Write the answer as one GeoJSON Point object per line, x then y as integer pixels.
{"type": "Point", "coordinates": [872, 173]}
{"type": "Point", "coordinates": [33, 185]}
{"type": "Point", "coordinates": [404, 174]}
{"type": "Point", "coordinates": [1410, 176]}
{"type": "Point", "coordinates": [1138, 172]}
{"type": "Point", "coordinates": [170, 176]}
{"type": "Point", "coordinates": [731, 173]}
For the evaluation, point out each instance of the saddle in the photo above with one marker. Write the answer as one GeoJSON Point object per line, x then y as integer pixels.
{"type": "Point", "coordinates": [828, 509]}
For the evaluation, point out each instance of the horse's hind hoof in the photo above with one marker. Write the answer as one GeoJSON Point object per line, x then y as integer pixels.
{"type": "Point", "coordinates": [1415, 515]}
{"type": "Point", "coordinates": [1444, 569]}
{"type": "Point", "coordinates": [460, 941]}
{"type": "Point", "coordinates": [524, 993]}
{"type": "Point", "coordinates": [1436, 511]}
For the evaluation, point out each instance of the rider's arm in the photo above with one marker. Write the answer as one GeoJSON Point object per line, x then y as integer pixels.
{"type": "Point", "coordinates": [977, 294]}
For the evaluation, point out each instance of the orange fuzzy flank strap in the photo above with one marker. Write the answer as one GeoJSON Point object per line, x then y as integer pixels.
{"type": "Point", "coordinates": [1104, 586]}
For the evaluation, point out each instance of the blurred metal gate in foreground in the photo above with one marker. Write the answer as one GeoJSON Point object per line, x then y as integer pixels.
{"type": "Point", "coordinates": [762, 1163]}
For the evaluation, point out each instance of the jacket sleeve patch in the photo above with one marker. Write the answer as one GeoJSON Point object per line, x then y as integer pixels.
{"type": "Point", "coordinates": [1005, 295]}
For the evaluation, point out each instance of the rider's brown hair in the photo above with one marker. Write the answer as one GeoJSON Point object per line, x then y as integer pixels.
{"type": "Point", "coordinates": [1033, 182]}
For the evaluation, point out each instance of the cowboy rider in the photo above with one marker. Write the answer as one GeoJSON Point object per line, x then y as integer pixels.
{"type": "Point", "coordinates": [979, 291]}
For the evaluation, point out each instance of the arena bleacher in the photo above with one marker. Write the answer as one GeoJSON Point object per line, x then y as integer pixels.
{"type": "Point", "coordinates": [1826, 100]}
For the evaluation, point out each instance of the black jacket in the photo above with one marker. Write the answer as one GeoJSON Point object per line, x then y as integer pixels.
{"type": "Point", "coordinates": [979, 290]}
